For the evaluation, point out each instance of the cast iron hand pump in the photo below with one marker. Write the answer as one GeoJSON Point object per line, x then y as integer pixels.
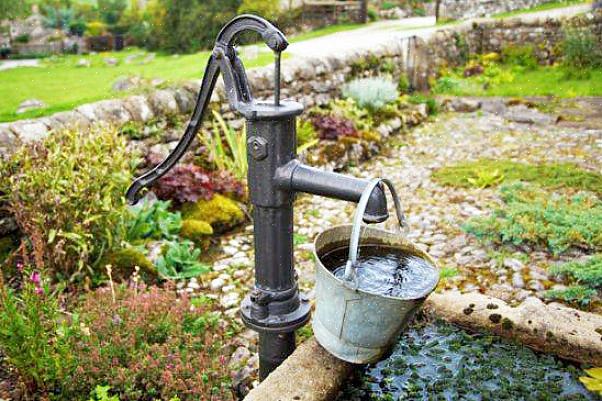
{"type": "Point", "coordinates": [274, 308]}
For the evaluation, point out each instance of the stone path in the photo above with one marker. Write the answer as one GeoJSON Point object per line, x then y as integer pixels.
{"type": "Point", "coordinates": [379, 32]}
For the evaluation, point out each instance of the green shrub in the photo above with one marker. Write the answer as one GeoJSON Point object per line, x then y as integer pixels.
{"type": "Point", "coordinates": [227, 148]}
{"type": "Point", "coordinates": [403, 84]}
{"type": "Point", "coordinates": [581, 50]}
{"type": "Point", "coordinates": [152, 220]}
{"type": "Point", "coordinates": [265, 8]}
{"type": "Point", "coordinates": [34, 336]}
{"type": "Point", "coordinates": [96, 28]}
{"type": "Point", "coordinates": [553, 176]}
{"type": "Point", "coordinates": [101, 393]}
{"type": "Point", "coordinates": [181, 261]}
{"type": "Point", "coordinates": [587, 273]}
{"type": "Point", "coordinates": [446, 84]}
{"type": "Point", "coordinates": [576, 295]}
{"type": "Point", "coordinates": [537, 218]}
{"type": "Point", "coordinates": [67, 195]}
{"type": "Point", "coordinates": [348, 109]}
{"type": "Point", "coordinates": [149, 344]}
{"type": "Point", "coordinates": [371, 93]}
{"type": "Point", "coordinates": [306, 132]}
{"type": "Point", "coordinates": [523, 56]}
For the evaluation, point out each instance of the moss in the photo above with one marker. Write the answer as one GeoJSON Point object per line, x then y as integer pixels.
{"type": "Point", "coordinates": [220, 212]}
{"type": "Point", "coordinates": [195, 229]}
{"type": "Point", "coordinates": [124, 261]}
{"type": "Point", "coordinates": [556, 175]}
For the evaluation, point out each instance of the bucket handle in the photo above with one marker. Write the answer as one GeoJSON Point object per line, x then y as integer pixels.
{"type": "Point", "coordinates": [357, 223]}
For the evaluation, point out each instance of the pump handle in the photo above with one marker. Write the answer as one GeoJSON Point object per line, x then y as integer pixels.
{"type": "Point", "coordinates": [225, 60]}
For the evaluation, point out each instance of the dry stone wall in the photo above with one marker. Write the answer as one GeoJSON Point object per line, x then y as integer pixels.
{"type": "Point", "coordinates": [463, 9]}
{"type": "Point", "coordinates": [316, 81]}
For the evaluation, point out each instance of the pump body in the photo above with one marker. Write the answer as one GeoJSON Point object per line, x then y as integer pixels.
{"type": "Point", "coordinates": [274, 307]}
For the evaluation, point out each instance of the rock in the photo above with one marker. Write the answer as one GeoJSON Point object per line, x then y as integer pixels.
{"type": "Point", "coordinates": [464, 105]}
{"type": "Point", "coordinates": [157, 82]}
{"type": "Point", "coordinates": [112, 111]}
{"type": "Point", "coordinates": [126, 83]}
{"type": "Point", "coordinates": [29, 130]}
{"type": "Point", "coordinates": [239, 358]}
{"type": "Point", "coordinates": [494, 106]}
{"type": "Point", "coordinates": [139, 108]}
{"type": "Point", "coordinates": [30, 104]}
{"type": "Point", "coordinates": [8, 140]}
{"type": "Point", "coordinates": [217, 284]}
{"type": "Point", "coordinates": [222, 213]}
{"type": "Point", "coordinates": [111, 61]}
{"type": "Point", "coordinates": [517, 280]}
{"type": "Point", "coordinates": [523, 114]}
{"type": "Point", "coordinates": [230, 300]}
{"type": "Point", "coordinates": [83, 63]}
{"type": "Point", "coordinates": [163, 102]}
{"type": "Point", "coordinates": [160, 151]}
{"type": "Point", "coordinates": [514, 264]}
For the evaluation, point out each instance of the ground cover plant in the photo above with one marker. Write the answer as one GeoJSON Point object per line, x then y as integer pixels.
{"type": "Point", "coordinates": [440, 361]}
{"type": "Point", "coordinates": [540, 219]}
{"type": "Point", "coordinates": [486, 173]}
{"type": "Point", "coordinates": [584, 278]}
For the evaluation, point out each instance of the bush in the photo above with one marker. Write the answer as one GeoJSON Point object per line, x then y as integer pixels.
{"type": "Point", "coordinates": [581, 50]}
{"type": "Point", "coordinates": [536, 218]}
{"type": "Point", "coordinates": [268, 9]}
{"type": "Point", "coordinates": [67, 196]}
{"type": "Point", "coordinates": [149, 345]}
{"type": "Point", "coordinates": [34, 336]}
{"type": "Point", "coordinates": [96, 28]}
{"type": "Point", "coordinates": [333, 127]}
{"type": "Point", "coordinates": [306, 133]}
{"type": "Point", "coordinates": [523, 56]}
{"type": "Point", "coordinates": [371, 93]}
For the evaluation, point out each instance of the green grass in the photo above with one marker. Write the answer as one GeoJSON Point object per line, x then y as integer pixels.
{"type": "Point", "coordinates": [552, 176]}
{"type": "Point", "coordinates": [62, 85]}
{"type": "Point", "coordinates": [542, 7]}
{"type": "Point", "coordinates": [325, 31]}
{"type": "Point", "coordinates": [541, 81]}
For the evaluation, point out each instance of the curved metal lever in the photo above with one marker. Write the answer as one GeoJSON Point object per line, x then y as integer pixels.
{"type": "Point", "coordinates": [224, 59]}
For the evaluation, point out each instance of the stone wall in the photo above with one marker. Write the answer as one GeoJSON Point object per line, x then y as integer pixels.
{"type": "Point", "coordinates": [464, 9]}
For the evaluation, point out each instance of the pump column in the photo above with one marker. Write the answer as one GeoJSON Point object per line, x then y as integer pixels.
{"type": "Point", "coordinates": [274, 308]}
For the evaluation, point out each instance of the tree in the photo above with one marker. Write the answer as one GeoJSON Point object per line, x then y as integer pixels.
{"type": "Point", "coordinates": [11, 9]}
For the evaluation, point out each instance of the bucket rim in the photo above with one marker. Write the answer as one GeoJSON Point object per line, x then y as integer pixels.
{"type": "Point", "coordinates": [422, 254]}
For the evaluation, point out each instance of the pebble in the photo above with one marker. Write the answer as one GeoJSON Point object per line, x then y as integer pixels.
{"type": "Point", "coordinates": [217, 283]}
{"type": "Point", "coordinates": [517, 280]}
{"type": "Point", "coordinates": [230, 300]}
{"type": "Point", "coordinates": [514, 264]}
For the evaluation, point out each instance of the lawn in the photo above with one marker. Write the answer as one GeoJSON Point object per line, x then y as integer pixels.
{"type": "Point", "coordinates": [542, 81]}
{"type": "Point", "coordinates": [62, 85]}
{"type": "Point", "coordinates": [542, 7]}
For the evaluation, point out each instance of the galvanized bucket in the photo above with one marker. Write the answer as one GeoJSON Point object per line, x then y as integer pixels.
{"type": "Point", "coordinates": [351, 324]}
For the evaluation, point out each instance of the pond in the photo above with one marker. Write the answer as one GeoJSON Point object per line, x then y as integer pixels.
{"type": "Point", "coordinates": [439, 361]}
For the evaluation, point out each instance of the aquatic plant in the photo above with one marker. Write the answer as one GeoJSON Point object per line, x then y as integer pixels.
{"type": "Point", "coordinates": [439, 361]}
{"type": "Point", "coordinates": [371, 93]}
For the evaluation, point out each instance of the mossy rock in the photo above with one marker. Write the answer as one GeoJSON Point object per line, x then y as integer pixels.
{"type": "Point", "coordinates": [220, 212]}
{"type": "Point", "coordinates": [197, 231]}
{"type": "Point", "coordinates": [124, 261]}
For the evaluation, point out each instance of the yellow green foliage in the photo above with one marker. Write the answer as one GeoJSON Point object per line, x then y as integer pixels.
{"type": "Point", "coordinates": [556, 175]}
{"type": "Point", "coordinates": [123, 262]}
{"type": "Point", "coordinates": [221, 212]}
{"type": "Point", "coordinates": [195, 230]}
{"type": "Point", "coordinates": [593, 382]}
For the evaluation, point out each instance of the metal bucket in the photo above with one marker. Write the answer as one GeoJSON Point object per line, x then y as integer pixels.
{"type": "Point", "coordinates": [351, 324]}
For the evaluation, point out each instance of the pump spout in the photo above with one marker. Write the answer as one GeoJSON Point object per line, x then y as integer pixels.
{"type": "Point", "coordinates": [297, 177]}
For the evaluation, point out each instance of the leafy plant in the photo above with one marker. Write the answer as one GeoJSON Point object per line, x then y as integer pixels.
{"type": "Point", "coordinates": [523, 56]}
{"type": "Point", "coordinates": [588, 273]}
{"type": "Point", "coordinates": [486, 178]}
{"type": "Point", "coordinates": [348, 109]}
{"type": "Point", "coordinates": [593, 380]}
{"type": "Point", "coordinates": [371, 93]}
{"type": "Point", "coordinates": [581, 50]}
{"type": "Point", "coordinates": [67, 195]}
{"type": "Point", "coordinates": [306, 133]}
{"type": "Point", "coordinates": [34, 336]}
{"type": "Point", "coordinates": [101, 393]}
{"type": "Point", "coordinates": [333, 127]}
{"type": "Point", "coordinates": [265, 8]}
{"type": "Point", "coordinates": [233, 156]}
{"type": "Point", "coordinates": [537, 218]}
{"type": "Point", "coordinates": [153, 220]}
{"type": "Point", "coordinates": [180, 261]}
{"type": "Point", "coordinates": [577, 295]}
{"type": "Point", "coordinates": [189, 183]}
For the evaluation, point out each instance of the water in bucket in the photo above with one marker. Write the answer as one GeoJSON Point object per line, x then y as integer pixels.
{"type": "Point", "coordinates": [385, 271]}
